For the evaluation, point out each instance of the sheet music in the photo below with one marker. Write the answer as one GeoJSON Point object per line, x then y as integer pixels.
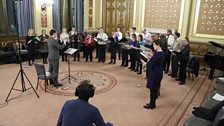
{"type": "Point", "coordinates": [143, 48]}
{"type": "Point", "coordinates": [98, 39]}
{"type": "Point", "coordinates": [37, 38]}
{"type": "Point", "coordinates": [70, 51]}
{"type": "Point", "coordinates": [128, 46]}
{"type": "Point", "coordinates": [95, 39]}
{"type": "Point", "coordinates": [218, 97]}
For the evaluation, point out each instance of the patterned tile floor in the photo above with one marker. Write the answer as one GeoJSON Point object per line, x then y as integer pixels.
{"type": "Point", "coordinates": [120, 97]}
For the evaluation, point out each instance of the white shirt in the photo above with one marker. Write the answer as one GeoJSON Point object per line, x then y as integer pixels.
{"type": "Point", "coordinates": [119, 34]}
{"type": "Point", "coordinates": [146, 37]}
{"type": "Point", "coordinates": [170, 42]}
{"type": "Point", "coordinates": [102, 36]}
{"type": "Point", "coordinates": [64, 37]}
{"type": "Point", "coordinates": [178, 44]}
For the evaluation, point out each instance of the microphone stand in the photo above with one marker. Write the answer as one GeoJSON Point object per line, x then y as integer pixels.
{"type": "Point", "coordinates": [21, 71]}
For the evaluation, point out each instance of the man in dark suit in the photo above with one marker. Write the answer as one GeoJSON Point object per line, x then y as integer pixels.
{"type": "Point", "coordinates": [79, 112]}
{"type": "Point", "coordinates": [53, 55]}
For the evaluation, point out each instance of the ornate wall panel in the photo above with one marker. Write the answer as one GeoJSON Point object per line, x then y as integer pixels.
{"type": "Point", "coordinates": [90, 13]}
{"type": "Point", "coordinates": [117, 14]}
{"type": "Point", "coordinates": [210, 19]}
{"type": "Point", "coordinates": [162, 14]}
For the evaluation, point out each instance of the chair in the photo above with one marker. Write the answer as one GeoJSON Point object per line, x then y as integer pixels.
{"type": "Point", "coordinates": [41, 75]}
{"type": "Point", "coordinates": [193, 67]}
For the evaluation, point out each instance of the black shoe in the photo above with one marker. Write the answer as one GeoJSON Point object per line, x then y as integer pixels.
{"type": "Point", "coordinates": [114, 63]}
{"type": "Point", "coordinates": [170, 75]}
{"type": "Point", "coordinates": [139, 72]}
{"type": "Point", "coordinates": [147, 106]}
{"type": "Point", "coordinates": [122, 65]}
{"type": "Point", "coordinates": [129, 67]}
{"type": "Point", "coordinates": [181, 83]}
{"type": "Point", "coordinates": [177, 79]}
{"type": "Point", "coordinates": [125, 65]}
{"type": "Point", "coordinates": [166, 71]}
{"type": "Point", "coordinates": [110, 62]}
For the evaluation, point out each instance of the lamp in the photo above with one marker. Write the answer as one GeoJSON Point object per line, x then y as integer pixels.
{"type": "Point", "coordinates": [45, 2]}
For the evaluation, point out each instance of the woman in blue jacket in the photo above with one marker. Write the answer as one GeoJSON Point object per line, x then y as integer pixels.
{"type": "Point", "coordinates": [155, 73]}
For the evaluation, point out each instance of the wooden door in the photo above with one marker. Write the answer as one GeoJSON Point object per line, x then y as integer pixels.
{"type": "Point", "coordinates": [117, 15]}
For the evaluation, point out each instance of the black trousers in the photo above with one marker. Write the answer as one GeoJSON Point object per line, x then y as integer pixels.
{"type": "Point", "coordinates": [153, 96]}
{"type": "Point", "coordinates": [84, 51]}
{"type": "Point", "coordinates": [53, 69]}
{"type": "Point", "coordinates": [124, 57]}
{"type": "Point", "coordinates": [101, 53]}
{"type": "Point", "coordinates": [183, 66]}
{"type": "Point", "coordinates": [174, 64]}
{"type": "Point", "coordinates": [139, 67]}
{"type": "Point", "coordinates": [89, 53]}
{"type": "Point", "coordinates": [31, 57]}
{"type": "Point", "coordinates": [119, 51]}
{"type": "Point", "coordinates": [77, 53]}
{"type": "Point", "coordinates": [133, 58]}
{"type": "Point", "coordinates": [44, 57]}
{"type": "Point", "coordinates": [96, 47]}
{"type": "Point", "coordinates": [64, 57]}
{"type": "Point", "coordinates": [167, 63]}
{"type": "Point", "coordinates": [113, 56]}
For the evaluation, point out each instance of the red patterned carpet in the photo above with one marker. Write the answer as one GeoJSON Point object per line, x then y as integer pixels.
{"type": "Point", "coordinates": [120, 97]}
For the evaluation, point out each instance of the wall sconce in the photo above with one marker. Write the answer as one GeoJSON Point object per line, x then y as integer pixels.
{"type": "Point", "coordinates": [45, 2]}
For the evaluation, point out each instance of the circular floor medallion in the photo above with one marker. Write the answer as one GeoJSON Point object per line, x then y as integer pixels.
{"type": "Point", "coordinates": [102, 81]}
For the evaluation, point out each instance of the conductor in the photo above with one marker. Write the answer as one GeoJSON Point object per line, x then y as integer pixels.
{"type": "Point", "coordinates": [53, 56]}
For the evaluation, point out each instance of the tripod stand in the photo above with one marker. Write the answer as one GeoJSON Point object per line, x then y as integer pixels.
{"type": "Point", "coordinates": [69, 52]}
{"type": "Point", "coordinates": [21, 72]}
{"type": "Point", "coordinates": [69, 76]}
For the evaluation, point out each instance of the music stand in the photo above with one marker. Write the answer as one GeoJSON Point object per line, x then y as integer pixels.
{"type": "Point", "coordinates": [69, 51]}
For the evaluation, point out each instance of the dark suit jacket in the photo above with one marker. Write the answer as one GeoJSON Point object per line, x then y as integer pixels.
{"type": "Point", "coordinates": [79, 113]}
{"type": "Point", "coordinates": [53, 48]}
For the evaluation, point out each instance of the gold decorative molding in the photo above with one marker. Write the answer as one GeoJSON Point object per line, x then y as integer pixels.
{"type": "Point", "coordinates": [90, 14]}
{"type": "Point", "coordinates": [37, 18]}
{"type": "Point", "coordinates": [209, 19]}
{"type": "Point", "coordinates": [164, 14]}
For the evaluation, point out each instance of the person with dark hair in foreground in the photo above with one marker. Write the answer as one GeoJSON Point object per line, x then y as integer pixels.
{"type": "Point", "coordinates": [79, 112]}
{"type": "Point", "coordinates": [155, 73]}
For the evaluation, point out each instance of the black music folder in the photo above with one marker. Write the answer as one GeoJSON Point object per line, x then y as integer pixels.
{"type": "Point", "coordinates": [144, 56]}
